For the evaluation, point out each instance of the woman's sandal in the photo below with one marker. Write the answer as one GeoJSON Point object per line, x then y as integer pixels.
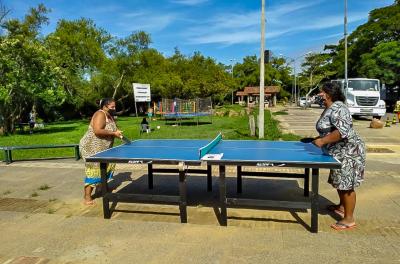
{"type": "Point", "coordinates": [335, 209]}
{"type": "Point", "coordinates": [89, 203]}
{"type": "Point", "coordinates": [342, 226]}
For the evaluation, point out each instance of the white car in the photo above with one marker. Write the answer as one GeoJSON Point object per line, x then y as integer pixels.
{"type": "Point", "coordinates": [303, 102]}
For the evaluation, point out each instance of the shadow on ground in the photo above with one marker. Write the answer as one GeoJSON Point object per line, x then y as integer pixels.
{"type": "Point", "coordinates": [203, 206]}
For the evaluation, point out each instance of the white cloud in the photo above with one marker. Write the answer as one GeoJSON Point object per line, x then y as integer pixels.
{"type": "Point", "coordinates": [189, 2]}
{"type": "Point", "coordinates": [235, 28]}
{"type": "Point", "coordinates": [145, 20]}
{"type": "Point", "coordinates": [103, 9]}
{"type": "Point", "coordinates": [134, 14]}
{"type": "Point", "coordinates": [330, 21]}
{"type": "Point", "coordinates": [331, 36]}
{"type": "Point", "coordinates": [275, 13]}
{"type": "Point", "coordinates": [226, 38]}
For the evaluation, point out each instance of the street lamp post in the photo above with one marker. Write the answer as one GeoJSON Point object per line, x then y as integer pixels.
{"type": "Point", "coordinates": [345, 45]}
{"type": "Point", "coordinates": [293, 60]}
{"type": "Point", "coordinates": [295, 75]}
{"type": "Point", "coordinates": [262, 92]}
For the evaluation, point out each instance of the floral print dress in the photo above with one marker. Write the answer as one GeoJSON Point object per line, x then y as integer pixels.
{"type": "Point", "coordinates": [350, 150]}
{"type": "Point", "coordinates": [89, 145]}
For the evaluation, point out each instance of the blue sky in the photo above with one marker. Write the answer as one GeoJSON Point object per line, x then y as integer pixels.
{"type": "Point", "coordinates": [222, 29]}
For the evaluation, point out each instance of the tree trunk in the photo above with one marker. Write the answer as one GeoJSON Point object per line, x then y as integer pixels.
{"type": "Point", "coordinates": [118, 84]}
{"type": "Point", "coordinates": [8, 126]}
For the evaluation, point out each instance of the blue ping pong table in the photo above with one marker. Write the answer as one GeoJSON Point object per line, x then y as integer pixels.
{"type": "Point", "coordinates": [222, 153]}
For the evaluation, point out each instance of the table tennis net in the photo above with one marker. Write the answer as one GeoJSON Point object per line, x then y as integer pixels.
{"type": "Point", "coordinates": [204, 150]}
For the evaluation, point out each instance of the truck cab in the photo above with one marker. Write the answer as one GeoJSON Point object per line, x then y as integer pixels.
{"type": "Point", "coordinates": [363, 97]}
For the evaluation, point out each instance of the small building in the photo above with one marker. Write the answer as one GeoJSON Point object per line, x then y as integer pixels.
{"type": "Point", "coordinates": [251, 95]}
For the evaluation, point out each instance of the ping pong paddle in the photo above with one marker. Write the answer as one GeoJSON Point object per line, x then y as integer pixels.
{"type": "Point", "coordinates": [125, 139]}
{"type": "Point", "coordinates": [307, 140]}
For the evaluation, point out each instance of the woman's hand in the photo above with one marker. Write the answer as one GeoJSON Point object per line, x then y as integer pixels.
{"type": "Point", "coordinates": [319, 142]}
{"type": "Point", "coordinates": [117, 133]}
{"type": "Point", "coordinates": [331, 138]}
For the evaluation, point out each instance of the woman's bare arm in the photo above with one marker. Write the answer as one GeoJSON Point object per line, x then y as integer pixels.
{"type": "Point", "coordinates": [332, 137]}
{"type": "Point", "coordinates": [99, 124]}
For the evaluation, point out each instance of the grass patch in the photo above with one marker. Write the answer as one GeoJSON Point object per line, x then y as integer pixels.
{"type": "Point", "coordinates": [52, 200]}
{"type": "Point", "coordinates": [44, 187]}
{"type": "Point", "coordinates": [6, 192]}
{"type": "Point", "coordinates": [51, 211]}
{"type": "Point", "coordinates": [280, 113]}
{"type": "Point", "coordinates": [34, 194]}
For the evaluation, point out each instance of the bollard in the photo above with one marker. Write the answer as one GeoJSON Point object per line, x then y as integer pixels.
{"type": "Point", "coordinates": [387, 124]}
{"type": "Point", "coordinates": [394, 121]}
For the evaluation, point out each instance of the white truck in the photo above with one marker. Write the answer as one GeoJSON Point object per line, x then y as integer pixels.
{"type": "Point", "coordinates": [363, 97]}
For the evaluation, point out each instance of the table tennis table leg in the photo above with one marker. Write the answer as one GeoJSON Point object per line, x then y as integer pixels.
{"type": "Point", "coordinates": [307, 182]}
{"type": "Point", "coordinates": [104, 191]}
{"type": "Point", "coordinates": [209, 178]}
{"type": "Point", "coordinates": [222, 195]}
{"type": "Point", "coordinates": [314, 200]}
{"type": "Point", "coordinates": [239, 179]}
{"type": "Point", "coordinates": [182, 194]}
{"type": "Point", "coordinates": [150, 175]}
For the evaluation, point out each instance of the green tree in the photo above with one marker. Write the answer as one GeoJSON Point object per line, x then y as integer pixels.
{"type": "Point", "coordinates": [383, 26]}
{"type": "Point", "coordinates": [277, 73]}
{"type": "Point", "coordinates": [29, 75]}
{"type": "Point", "coordinates": [117, 73]}
{"type": "Point", "coordinates": [383, 63]}
{"type": "Point", "coordinates": [3, 14]}
{"type": "Point", "coordinates": [315, 69]}
{"type": "Point", "coordinates": [248, 72]}
{"type": "Point", "coordinates": [79, 51]}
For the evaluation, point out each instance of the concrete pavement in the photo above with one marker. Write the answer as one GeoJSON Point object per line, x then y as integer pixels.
{"type": "Point", "coordinates": [43, 220]}
{"type": "Point", "coordinates": [301, 121]}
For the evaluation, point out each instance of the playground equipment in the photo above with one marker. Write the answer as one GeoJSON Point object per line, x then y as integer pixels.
{"type": "Point", "coordinates": [179, 109]}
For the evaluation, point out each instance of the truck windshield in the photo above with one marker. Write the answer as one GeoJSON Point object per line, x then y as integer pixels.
{"type": "Point", "coordinates": [364, 85]}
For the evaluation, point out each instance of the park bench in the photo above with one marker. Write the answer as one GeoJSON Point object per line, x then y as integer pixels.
{"type": "Point", "coordinates": [22, 125]}
{"type": "Point", "coordinates": [8, 150]}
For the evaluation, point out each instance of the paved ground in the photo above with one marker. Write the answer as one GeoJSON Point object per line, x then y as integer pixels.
{"type": "Point", "coordinates": [42, 219]}
{"type": "Point", "coordinates": [302, 122]}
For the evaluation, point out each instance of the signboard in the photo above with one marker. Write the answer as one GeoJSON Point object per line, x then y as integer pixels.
{"type": "Point", "coordinates": [141, 92]}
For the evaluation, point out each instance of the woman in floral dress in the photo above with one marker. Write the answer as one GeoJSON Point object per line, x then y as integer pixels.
{"type": "Point", "coordinates": [338, 138]}
{"type": "Point", "coordinates": [100, 136]}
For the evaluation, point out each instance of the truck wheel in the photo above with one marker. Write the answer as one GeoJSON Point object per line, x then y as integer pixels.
{"type": "Point", "coordinates": [377, 117]}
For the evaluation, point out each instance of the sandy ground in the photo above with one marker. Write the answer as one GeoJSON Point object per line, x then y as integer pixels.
{"type": "Point", "coordinates": [43, 220]}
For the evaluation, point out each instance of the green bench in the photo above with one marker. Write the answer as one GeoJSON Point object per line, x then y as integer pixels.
{"type": "Point", "coordinates": [8, 150]}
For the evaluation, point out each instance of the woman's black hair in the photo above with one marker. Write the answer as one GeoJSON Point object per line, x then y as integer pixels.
{"type": "Point", "coordinates": [334, 91]}
{"type": "Point", "coordinates": [105, 101]}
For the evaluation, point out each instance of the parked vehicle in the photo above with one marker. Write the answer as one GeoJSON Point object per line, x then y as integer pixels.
{"type": "Point", "coordinates": [318, 100]}
{"type": "Point", "coordinates": [304, 102]}
{"type": "Point", "coordinates": [363, 97]}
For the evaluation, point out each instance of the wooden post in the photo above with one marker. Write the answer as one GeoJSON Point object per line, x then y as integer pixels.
{"type": "Point", "coordinates": [252, 126]}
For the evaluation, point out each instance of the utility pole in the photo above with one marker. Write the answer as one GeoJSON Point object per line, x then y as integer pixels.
{"type": "Point", "coordinates": [295, 84]}
{"type": "Point", "coordinates": [261, 101]}
{"type": "Point", "coordinates": [296, 94]}
{"type": "Point", "coordinates": [232, 61]}
{"type": "Point", "coordinates": [345, 46]}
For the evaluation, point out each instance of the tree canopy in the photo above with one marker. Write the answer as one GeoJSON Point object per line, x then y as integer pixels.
{"type": "Point", "coordinates": [373, 52]}
{"type": "Point", "coordinates": [65, 73]}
